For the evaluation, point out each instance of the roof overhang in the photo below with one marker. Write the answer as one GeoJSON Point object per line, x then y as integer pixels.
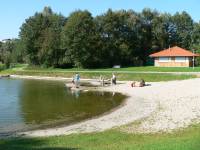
{"type": "Point", "coordinates": [174, 52]}
{"type": "Point", "coordinates": [195, 55]}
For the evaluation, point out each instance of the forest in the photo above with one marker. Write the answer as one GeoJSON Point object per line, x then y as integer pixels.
{"type": "Point", "coordinates": [123, 37]}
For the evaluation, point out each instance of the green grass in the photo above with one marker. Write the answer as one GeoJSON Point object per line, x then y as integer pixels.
{"type": "Point", "coordinates": [23, 69]}
{"type": "Point", "coordinates": [131, 69]}
{"type": "Point", "coordinates": [158, 69]}
{"type": "Point", "coordinates": [149, 77]}
{"type": "Point", "coordinates": [134, 69]}
{"type": "Point", "coordinates": [187, 139]}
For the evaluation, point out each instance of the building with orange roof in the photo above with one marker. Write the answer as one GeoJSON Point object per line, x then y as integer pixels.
{"type": "Point", "coordinates": [174, 57]}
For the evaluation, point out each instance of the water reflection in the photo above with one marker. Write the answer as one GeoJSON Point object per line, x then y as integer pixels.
{"type": "Point", "coordinates": [9, 105]}
{"type": "Point", "coordinates": [75, 93]}
{"type": "Point", "coordinates": [33, 103]}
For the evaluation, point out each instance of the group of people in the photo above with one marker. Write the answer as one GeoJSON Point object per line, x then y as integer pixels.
{"type": "Point", "coordinates": [113, 81]}
{"type": "Point", "coordinates": [76, 80]}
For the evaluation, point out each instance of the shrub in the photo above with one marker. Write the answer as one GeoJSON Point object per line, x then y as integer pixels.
{"type": "Point", "coordinates": [2, 67]}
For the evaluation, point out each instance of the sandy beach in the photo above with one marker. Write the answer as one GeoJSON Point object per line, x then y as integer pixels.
{"type": "Point", "coordinates": [160, 107]}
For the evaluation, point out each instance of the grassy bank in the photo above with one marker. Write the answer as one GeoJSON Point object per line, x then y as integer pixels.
{"type": "Point", "coordinates": [134, 73]}
{"type": "Point", "coordinates": [110, 140]}
{"type": "Point", "coordinates": [133, 69]}
{"type": "Point", "coordinates": [149, 77]}
{"type": "Point", "coordinates": [158, 69]}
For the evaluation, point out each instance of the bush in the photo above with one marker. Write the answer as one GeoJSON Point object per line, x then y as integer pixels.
{"type": "Point", "coordinates": [2, 67]}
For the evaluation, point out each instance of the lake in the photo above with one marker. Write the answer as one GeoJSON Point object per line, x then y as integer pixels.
{"type": "Point", "coordinates": [30, 104]}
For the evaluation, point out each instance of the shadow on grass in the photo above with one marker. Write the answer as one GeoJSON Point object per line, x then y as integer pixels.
{"type": "Point", "coordinates": [31, 144]}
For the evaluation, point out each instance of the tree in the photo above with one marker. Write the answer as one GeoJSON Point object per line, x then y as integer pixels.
{"type": "Point", "coordinates": [1, 51]}
{"type": "Point", "coordinates": [80, 40]}
{"type": "Point", "coordinates": [40, 35]}
{"type": "Point", "coordinates": [147, 38]}
{"type": "Point", "coordinates": [184, 26]}
{"type": "Point", "coordinates": [119, 34]}
{"type": "Point", "coordinates": [196, 40]}
{"type": "Point", "coordinates": [164, 32]}
{"type": "Point", "coordinates": [114, 38]}
{"type": "Point", "coordinates": [50, 51]}
{"type": "Point", "coordinates": [17, 52]}
{"type": "Point", "coordinates": [5, 52]}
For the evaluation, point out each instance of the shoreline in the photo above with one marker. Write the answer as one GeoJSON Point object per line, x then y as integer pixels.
{"type": "Point", "coordinates": [98, 123]}
{"type": "Point", "coordinates": [162, 107]}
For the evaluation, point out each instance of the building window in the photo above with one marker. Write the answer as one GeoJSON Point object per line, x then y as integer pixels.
{"type": "Point", "coordinates": [180, 59]}
{"type": "Point", "coordinates": [164, 59]}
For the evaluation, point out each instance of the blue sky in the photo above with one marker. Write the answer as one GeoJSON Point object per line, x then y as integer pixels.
{"type": "Point", "coordinates": [14, 12]}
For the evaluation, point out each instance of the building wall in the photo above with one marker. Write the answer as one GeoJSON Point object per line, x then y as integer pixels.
{"type": "Point", "coordinates": [173, 63]}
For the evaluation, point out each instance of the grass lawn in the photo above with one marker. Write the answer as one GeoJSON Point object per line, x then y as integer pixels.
{"type": "Point", "coordinates": [158, 69]}
{"type": "Point", "coordinates": [95, 73]}
{"type": "Point", "coordinates": [149, 77]}
{"type": "Point", "coordinates": [188, 139]}
{"type": "Point", "coordinates": [133, 69]}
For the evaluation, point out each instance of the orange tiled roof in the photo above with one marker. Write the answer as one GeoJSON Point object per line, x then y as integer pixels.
{"type": "Point", "coordinates": [173, 51]}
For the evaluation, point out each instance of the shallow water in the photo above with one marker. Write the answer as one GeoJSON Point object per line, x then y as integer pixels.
{"type": "Point", "coordinates": [29, 104]}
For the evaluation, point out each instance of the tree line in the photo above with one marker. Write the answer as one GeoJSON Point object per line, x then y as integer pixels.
{"type": "Point", "coordinates": [123, 37]}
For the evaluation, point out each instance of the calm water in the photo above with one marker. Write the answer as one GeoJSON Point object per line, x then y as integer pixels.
{"type": "Point", "coordinates": [30, 104]}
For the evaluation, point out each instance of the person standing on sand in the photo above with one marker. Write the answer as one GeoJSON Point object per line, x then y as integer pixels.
{"type": "Point", "coordinates": [101, 79]}
{"type": "Point", "coordinates": [113, 79]}
{"type": "Point", "coordinates": [77, 80]}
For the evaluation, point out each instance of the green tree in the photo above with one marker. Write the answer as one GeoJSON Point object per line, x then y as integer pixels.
{"type": "Point", "coordinates": [119, 36]}
{"type": "Point", "coordinates": [196, 40]}
{"type": "Point", "coordinates": [115, 37]}
{"type": "Point", "coordinates": [80, 40]}
{"type": "Point", "coordinates": [50, 52]}
{"type": "Point", "coordinates": [17, 54]}
{"type": "Point", "coordinates": [40, 35]}
{"type": "Point", "coordinates": [6, 51]}
{"type": "Point", "coordinates": [1, 50]}
{"type": "Point", "coordinates": [147, 40]}
{"type": "Point", "coordinates": [184, 26]}
{"type": "Point", "coordinates": [164, 32]}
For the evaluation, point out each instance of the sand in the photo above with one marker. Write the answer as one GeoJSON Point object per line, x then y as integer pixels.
{"type": "Point", "coordinates": [160, 107]}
